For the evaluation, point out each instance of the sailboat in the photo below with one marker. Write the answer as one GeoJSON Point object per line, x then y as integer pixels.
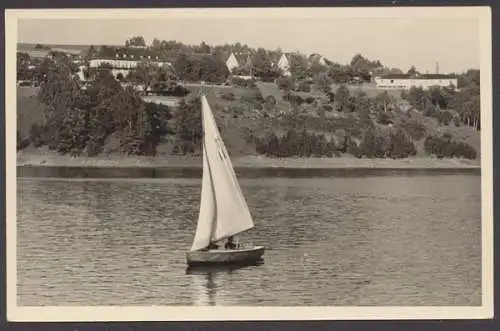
{"type": "Point", "coordinates": [223, 209]}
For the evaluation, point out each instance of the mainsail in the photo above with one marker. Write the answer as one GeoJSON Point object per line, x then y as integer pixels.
{"type": "Point", "coordinates": [223, 209]}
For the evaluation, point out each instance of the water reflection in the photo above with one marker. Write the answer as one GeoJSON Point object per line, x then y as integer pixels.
{"type": "Point", "coordinates": [205, 280]}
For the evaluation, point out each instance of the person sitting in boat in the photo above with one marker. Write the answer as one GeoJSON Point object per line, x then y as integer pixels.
{"type": "Point", "coordinates": [230, 243]}
{"type": "Point", "coordinates": [211, 246]}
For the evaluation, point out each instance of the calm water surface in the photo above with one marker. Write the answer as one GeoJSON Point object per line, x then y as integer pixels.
{"type": "Point", "coordinates": [330, 241]}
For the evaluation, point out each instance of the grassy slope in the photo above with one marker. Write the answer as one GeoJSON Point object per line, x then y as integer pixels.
{"type": "Point", "coordinates": [31, 111]}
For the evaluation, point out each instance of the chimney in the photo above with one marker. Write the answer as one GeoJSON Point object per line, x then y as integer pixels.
{"type": "Point", "coordinates": [437, 67]}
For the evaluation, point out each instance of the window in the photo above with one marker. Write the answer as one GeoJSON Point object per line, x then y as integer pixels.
{"type": "Point", "coordinates": [392, 80]}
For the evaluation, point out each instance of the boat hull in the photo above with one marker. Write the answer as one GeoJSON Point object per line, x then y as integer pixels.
{"type": "Point", "coordinates": [226, 256]}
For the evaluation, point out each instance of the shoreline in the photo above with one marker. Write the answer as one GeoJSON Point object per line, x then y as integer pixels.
{"type": "Point", "coordinates": [255, 162]}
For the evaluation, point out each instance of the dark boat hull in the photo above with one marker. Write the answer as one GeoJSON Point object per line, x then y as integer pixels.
{"type": "Point", "coordinates": [224, 257]}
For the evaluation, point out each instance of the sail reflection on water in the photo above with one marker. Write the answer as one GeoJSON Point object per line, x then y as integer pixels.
{"type": "Point", "coordinates": [204, 287]}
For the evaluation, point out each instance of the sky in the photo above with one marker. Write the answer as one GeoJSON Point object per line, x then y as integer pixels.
{"type": "Point", "coordinates": [399, 42]}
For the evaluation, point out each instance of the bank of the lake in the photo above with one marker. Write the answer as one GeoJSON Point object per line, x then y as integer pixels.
{"type": "Point", "coordinates": [48, 158]}
{"type": "Point", "coordinates": [49, 164]}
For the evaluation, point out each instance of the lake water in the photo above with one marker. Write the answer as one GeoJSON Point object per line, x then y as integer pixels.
{"type": "Point", "coordinates": [367, 240]}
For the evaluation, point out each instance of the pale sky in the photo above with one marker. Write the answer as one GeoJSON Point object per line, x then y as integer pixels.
{"type": "Point", "coordinates": [397, 42]}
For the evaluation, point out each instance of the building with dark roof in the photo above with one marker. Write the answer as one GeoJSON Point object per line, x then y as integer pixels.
{"type": "Point", "coordinates": [123, 60]}
{"type": "Point", "coordinates": [407, 81]}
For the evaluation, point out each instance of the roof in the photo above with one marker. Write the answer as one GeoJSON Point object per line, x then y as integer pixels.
{"type": "Point", "coordinates": [421, 76]}
{"type": "Point", "coordinates": [111, 52]}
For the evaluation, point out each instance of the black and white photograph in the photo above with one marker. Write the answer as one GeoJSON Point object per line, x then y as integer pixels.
{"type": "Point", "coordinates": [239, 164]}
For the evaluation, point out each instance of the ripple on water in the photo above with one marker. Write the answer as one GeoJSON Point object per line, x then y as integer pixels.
{"type": "Point", "coordinates": [330, 241]}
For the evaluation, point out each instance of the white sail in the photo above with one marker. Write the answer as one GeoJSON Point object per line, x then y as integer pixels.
{"type": "Point", "coordinates": [223, 209]}
{"type": "Point", "coordinates": [207, 213]}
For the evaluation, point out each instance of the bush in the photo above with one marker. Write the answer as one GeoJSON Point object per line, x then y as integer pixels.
{"type": "Point", "coordinates": [21, 142]}
{"type": "Point", "coordinates": [445, 117]}
{"type": "Point", "coordinates": [385, 118]}
{"type": "Point", "coordinates": [37, 135]}
{"type": "Point", "coordinates": [378, 143]}
{"type": "Point", "coordinates": [431, 111]}
{"type": "Point", "coordinates": [248, 83]}
{"type": "Point", "coordinates": [285, 83]}
{"type": "Point", "coordinates": [401, 145]}
{"type": "Point", "coordinates": [294, 99]}
{"type": "Point", "coordinates": [444, 147]}
{"type": "Point", "coordinates": [270, 103]}
{"type": "Point", "coordinates": [320, 112]}
{"type": "Point", "coordinates": [228, 96]}
{"type": "Point", "coordinates": [295, 143]}
{"type": "Point", "coordinates": [456, 121]}
{"type": "Point", "coordinates": [354, 150]}
{"type": "Point", "coordinates": [309, 100]}
{"type": "Point", "coordinates": [415, 129]}
{"type": "Point", "coordinates": [327, 107]}
{"type": "Point", "coordinates": [304, 87]}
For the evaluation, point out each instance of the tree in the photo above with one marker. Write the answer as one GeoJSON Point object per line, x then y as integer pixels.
{"type": "Point", "coordinates": [418, 98]}
{"type": "Point", "coordinates": [104, 87]}
{"type": "Point", "coordinates": [143, 74]}
{"type": "Point", "coordinates": [203, 48]}
{"type": "Point", "coordinates": [299, 66]}
{"type": "Point", "coordinates": [188, 126]}
{"type": "Point", "coordinates": [401, 145]}
{"type": "Point", "coordinates": [323, 82]}
{"type": "Point", "coordinates": [23, 60]}
{"type": "Point", "coordinates": [342, 96]}
{"type": "Point", "coordinates": [412, 71]}
{"type": "Point", "coordinates": [471, 76]}
{"type": "Point", "coordinates": [262, 65]}
{"type": "Point", "coordinates": [156, 44]}
{"type": "Point", "coordinates": [340, 74]}
{"type": "Point", "coordinates": [201, 68]}
{"type": "Point", "coordinates": [383, 102]}
{"type": "Point", "coordinates": [270, 103]}
{"type": "Point", "coordinates": [137, 41]}
{"type": "Point", "coordinates": [59, 91]}
{"type": "Point", "coordinates": [91, 52]}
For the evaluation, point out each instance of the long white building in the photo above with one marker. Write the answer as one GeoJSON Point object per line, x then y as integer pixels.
{"type": "Point", "coordinates": [405, 82]}
{"type": "Point", "coordinates": [123, 63]}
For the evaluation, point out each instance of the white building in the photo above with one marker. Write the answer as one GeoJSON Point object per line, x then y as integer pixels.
{"type": "Point", "coordinates": [124, 63]}
{"type": "Point", "coordinates": [284, 65]}
{"type": "Point", "coordinates": [232, 63]}
{"type": "Point", "coordinates": [405, 82]}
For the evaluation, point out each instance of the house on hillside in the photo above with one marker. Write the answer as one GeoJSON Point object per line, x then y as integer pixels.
{"type": "Point", "coordinates": [285, 61]}
{"type": "Point", "coordinates": [407, 81]}
{"type": "Point", "coordinates": [232, 63]}
{"type": "Point", "coordinates": [240, 62]}
{"type": "Point", "coordinates": [284, 65]}
{"type": "Point", "coordinates": [125, 60]}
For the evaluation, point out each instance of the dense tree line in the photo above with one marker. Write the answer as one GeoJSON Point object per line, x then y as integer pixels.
{"type": "Point", "coordinates": [438, 101]}
{"type": "Point", "coordinates": [79, 121]}
{"type": "Point", "coordinates": [376, 143]}
{"type": "Point", "coordinates": [445, 147]}
{"type": "Point", "coordinates": [195, 68]}
{"type": "Point", "coordinates": [36, 70]}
